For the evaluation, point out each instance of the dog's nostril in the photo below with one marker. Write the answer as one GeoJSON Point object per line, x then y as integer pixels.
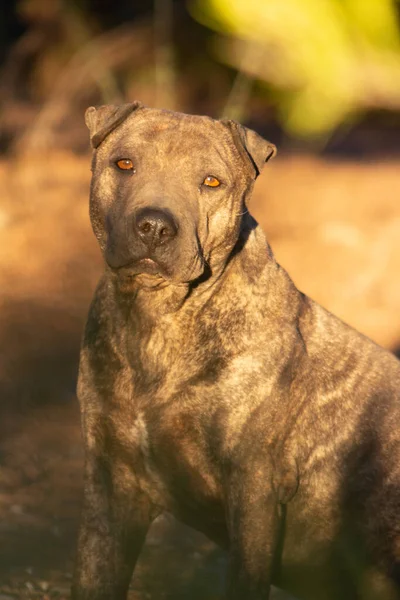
{"type": "Point", "coordinates": [145, 227]}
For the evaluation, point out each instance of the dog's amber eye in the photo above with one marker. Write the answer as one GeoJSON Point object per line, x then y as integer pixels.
{"type": "Point", "coordinates": [125, 164]}
{"type": "Point", "coordinates": [211, 181]}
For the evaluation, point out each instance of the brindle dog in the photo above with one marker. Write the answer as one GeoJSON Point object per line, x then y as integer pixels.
{"type": "Point", "coordinates": [211, 388]}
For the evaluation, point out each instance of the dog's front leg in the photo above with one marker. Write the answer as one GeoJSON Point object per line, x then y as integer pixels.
{"type": "Point", "coordinates": [254, 520]}
{"type": "Point", "coordinates": [115, 519]}
{"type": "Point", "coordinates": [116, 512]}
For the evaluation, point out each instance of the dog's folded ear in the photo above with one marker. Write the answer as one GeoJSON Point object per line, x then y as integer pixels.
{"type": "Point", "coordinates": [251, 146]}
{"type": "Point", "coordinates": [102, 120]}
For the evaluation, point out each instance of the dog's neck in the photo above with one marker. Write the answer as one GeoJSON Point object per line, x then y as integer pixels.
{"type": "Point", "coordinates": [252, 292]}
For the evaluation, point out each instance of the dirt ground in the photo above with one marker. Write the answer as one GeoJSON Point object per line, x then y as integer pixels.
{"type": "Point", "coordinates": [334, 225]}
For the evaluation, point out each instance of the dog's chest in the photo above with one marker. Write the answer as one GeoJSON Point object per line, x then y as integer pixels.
{"type": "Point", "coordinates": [209, 348]}
{"type": "Point", "coordinates": [193, 394]}
{"type": "Point", "coordinates": [161, 357]}
{"type": "Point", "coordinates": [177, 472]}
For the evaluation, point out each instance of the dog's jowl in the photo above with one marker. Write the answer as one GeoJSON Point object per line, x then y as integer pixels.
{"type": "Point", "coordinates": [212, 389]}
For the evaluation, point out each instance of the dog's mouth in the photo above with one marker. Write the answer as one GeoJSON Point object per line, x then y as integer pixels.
{"type": "Point", "coordinates": [145, 272]}
{"type": "Point", "coordinates": [150, 273]}
{"type": "Point", "coordinates": [145, 265]}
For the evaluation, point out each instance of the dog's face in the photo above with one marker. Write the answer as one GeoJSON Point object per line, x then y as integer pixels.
{"type": "Point", "coordinates": [168, 190]}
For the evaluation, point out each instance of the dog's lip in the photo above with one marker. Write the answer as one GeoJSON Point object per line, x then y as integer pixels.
{"type": "Point", "coordinates": [135, 267]}
{"type": "Point", "coordinates": [145, 271]}
{"type": "Point", "coordinates": [142, 265]}
{"type": "Point", "coordinates": [148, 271]}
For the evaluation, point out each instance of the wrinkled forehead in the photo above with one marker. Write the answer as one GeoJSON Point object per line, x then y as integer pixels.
{"type": "Point", "coordinates": [165, 135]}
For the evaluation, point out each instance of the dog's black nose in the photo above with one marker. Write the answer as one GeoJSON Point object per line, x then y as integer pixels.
{"type": "Point", "coordinates": [155, 227]}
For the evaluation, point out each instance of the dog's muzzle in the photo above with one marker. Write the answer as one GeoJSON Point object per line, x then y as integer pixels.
{"type": "Point", "coordinates": [144, 242]}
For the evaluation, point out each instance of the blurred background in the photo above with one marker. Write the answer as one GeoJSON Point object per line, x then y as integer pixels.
{"type": "Point", "coordinates": [319, 78]}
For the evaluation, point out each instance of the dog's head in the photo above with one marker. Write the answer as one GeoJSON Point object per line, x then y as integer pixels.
{"type": "Point", "coordinates": [168, 189]}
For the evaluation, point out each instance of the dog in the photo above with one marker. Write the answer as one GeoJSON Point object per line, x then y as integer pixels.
{"type": "Point", "coordinates": [212, 389]}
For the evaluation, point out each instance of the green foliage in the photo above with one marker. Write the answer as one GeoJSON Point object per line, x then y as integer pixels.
{"type": "Point", "coordinates": [324, 60]}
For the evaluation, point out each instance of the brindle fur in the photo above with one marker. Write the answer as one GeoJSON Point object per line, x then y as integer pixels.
{"type": "Point", "coordinates": [211, 388]}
